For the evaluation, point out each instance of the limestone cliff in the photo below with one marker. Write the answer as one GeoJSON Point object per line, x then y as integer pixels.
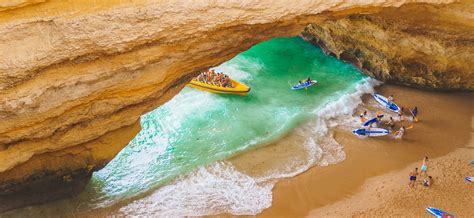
{"type": "Point", "coordinates": [75, 76]}
{"type": "Point", "coordinates": [420, 45]}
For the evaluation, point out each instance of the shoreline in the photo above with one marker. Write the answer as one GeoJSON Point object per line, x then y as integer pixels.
{"type": "Point", "coordinates": [316, 191]}
{"type": "Point", "coordinates": [368, 158]}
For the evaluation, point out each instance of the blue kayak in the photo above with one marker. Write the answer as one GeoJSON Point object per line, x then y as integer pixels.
{"type": "Point", "coordinates": [304, 85]}
{"type": "Point", "coordinates": [472, 162]}
{"type": "Point", "coordinates": [470, 179]}
{"type": "Point", "coordinates": [384, 102]}
{"type": "Point", "coordinates": [439, 213]}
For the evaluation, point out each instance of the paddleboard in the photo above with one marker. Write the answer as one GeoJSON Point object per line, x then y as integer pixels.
{"type": "Point", "coordinates": [371, 132]}
{"type": "Point", "coordinates": [439, 213]}
{"type": "Point", "coordinates": [470, 179]}
{"type": "Point", "coordinates": [384, 102]}
{"type": "Point", "coordinates": [304, 85]}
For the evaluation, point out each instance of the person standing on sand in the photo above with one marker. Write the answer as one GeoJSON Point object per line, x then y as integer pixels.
{"type": "Point", "coordinates": [400, 114]}
{"type": "Point", "coordinates": [391, 123]}
{"type": "Point", "coordinates": [413, 175]}
{"type": "Point", "coordinates": [390, 99]}
{"type": "Point", "coordinates": [424, 166]}
{"type": "Point", "coordinates": [363, 117]}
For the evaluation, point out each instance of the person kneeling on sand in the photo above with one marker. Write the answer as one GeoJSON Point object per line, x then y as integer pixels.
{"type": "Point", "coordinates": [427, 181]}
{"type": "Point", "coordinates": [413, 175]}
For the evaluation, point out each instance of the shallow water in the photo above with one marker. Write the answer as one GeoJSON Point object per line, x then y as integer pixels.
{"type": "Point", "coordinates": [197, 128]}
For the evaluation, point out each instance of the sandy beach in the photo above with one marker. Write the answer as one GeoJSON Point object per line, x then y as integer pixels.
{"type": "Point", "coordinates": [373, 179]}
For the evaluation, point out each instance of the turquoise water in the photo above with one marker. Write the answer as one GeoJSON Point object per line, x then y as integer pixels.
{"type": "Point", "coordinates": [197, 128]}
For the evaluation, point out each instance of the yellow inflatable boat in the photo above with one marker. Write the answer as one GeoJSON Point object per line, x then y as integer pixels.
{"type": "Point", "coordinates": [236, 89]}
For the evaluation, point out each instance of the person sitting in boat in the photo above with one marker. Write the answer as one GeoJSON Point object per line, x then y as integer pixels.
{"type": "Point", "coordinates": [206, 76]}
{"type": "Point", "coordinates": [213, 75]}
{"type": "Point", "coordinates": [200, 77]}
{"type": "Point", "coordinates": [218, 79]}
{"type": "Point", "coordinates": [226, 81]}
{"type": "Point", "coordinates": [308, 81]}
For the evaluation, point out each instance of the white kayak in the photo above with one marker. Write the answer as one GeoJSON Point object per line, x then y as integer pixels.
{"type": "Point", "coordinates": [371, 132]}
{"type": "Point", "coordinates": [384, 102]}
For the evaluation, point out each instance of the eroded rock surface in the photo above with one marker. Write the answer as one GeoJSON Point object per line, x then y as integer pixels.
{"type": "Point", "coordinates": [421, 45]}
{"type": "Point", "coordinates": [75, 76]}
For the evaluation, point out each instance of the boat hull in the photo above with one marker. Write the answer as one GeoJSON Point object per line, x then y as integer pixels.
{"type": "Point", "coordinates": [237, 88]}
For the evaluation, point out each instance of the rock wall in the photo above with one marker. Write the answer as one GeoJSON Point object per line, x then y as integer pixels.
{"type": "Point", "coordinates": [420, 45]}
{"type": "Point", "coordinates": [75, 76]}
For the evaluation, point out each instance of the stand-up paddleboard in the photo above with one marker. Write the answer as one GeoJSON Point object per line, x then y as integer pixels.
{"type": "Point", "coordinates": [470, 179]}
{"type": "Point", "coordinates": [373, 120]}
{"type": "Point", "coordinates": [384, 102]}
{"type": "Point", "coordinates": [304, 85]}
{"type": "Point", "coordinates": [371, 132]}
{"type": "Point", "coordinates": [439, 213]}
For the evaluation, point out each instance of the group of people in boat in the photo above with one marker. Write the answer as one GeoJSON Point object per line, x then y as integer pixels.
{"type": "Point", "coordinates": [390, 123]}
{"type": "Point", "coordinates": [213, 78]}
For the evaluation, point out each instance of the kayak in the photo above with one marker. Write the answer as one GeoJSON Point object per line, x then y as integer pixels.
{"type": "Point", "coordinates": [470, 179]}
{"type": "Point", "coordinates": [439, 213]}
{"type": "Point", "coordinates": [371, 132]}
{"type": "Point", "coordinates": [384, 102]}
{"type": "Point", "coordinates": [236, 89]}
{"type": "Point", "coordinates": [472, 162]}
{"type": "Point", "coordinates": [304, 85]}
{"type": "Point", "coordinates": [373, 120]}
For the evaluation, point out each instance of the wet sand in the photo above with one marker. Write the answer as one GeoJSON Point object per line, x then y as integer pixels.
{"type": "Point", "coordinates": [445, 125]}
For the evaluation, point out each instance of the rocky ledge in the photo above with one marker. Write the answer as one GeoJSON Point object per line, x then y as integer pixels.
{"type": "Point", "coordinates": [75, 76]}
{"type": "Point", "coordinates": [420, 45]}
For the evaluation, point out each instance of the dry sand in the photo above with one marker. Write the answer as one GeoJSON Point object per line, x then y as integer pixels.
{"type": "Point", "coordinates": [344, 189]}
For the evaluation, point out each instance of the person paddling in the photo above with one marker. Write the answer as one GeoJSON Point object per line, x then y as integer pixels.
{"type": "Point", "coordinates": [414, 112]}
